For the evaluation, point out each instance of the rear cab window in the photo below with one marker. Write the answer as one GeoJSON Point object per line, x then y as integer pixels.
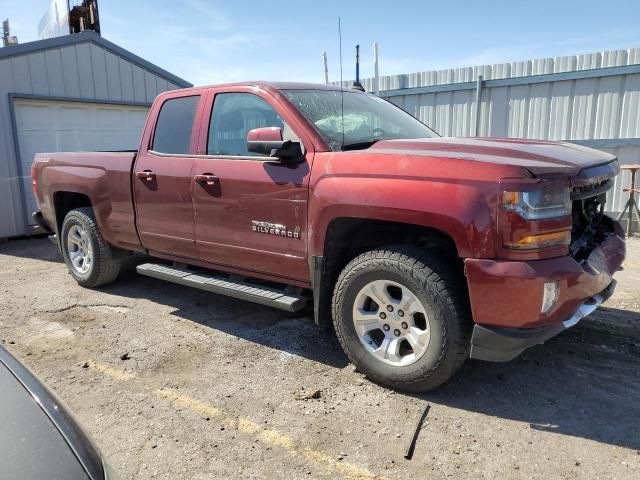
{"type": "Point", "coordinates": [175, 125]}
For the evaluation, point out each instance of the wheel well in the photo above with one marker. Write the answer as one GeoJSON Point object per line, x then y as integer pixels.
{"type": "Point", "coordinates": [349, 237]}
{"type": "Point", "coordinates": [64, 202]}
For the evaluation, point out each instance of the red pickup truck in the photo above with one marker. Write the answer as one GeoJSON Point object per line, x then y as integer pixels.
{"type": "Point", "coordinates": [423, 251]}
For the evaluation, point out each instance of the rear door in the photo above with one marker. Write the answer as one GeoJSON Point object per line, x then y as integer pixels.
{"type": "Point", "coordinates": [253, 214]}
{"type": "Point", "coordinates": [162, 178]}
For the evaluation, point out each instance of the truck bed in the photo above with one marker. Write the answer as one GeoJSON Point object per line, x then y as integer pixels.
{"type": "Point", "coordinates": [103, 177]}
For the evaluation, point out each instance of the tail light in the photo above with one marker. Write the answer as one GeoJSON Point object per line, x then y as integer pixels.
{"type": "Point", "coordinates": [34, 184]}
{"type": "Point", "coordinates": [535, 215]}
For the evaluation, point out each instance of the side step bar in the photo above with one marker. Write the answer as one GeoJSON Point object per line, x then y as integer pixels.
{"type": "Point", "coordinates": [271, 297]}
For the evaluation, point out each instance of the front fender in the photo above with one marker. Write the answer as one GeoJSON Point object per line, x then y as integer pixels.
{"type": "Point", "coordinates": [461, 210]}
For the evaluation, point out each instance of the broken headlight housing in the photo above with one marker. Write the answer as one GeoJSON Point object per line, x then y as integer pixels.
{"type": "Point", "coordinates": [535, 214]}
{"type": "Point", "coordinates": [552, 200]}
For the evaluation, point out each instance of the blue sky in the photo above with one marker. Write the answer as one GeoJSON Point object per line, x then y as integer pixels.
{"type": "Point", "coordinates": [210, 41]}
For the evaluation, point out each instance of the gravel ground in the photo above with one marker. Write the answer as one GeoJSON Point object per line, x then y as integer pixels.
{"type": "Point", "coordinates": [177, 383]}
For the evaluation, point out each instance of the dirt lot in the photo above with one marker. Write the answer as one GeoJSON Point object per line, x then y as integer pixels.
{"type": "Point", "coordinates": [219, 388]}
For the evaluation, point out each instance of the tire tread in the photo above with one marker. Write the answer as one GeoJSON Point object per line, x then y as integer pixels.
{"type": "Point", "coordinates": [108, 268]}
{"type": "Point", "coordinates": [445, 287]}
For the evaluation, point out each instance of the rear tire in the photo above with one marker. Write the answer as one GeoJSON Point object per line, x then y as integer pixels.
{"type": "Point", "coordinates": [415, 349]}
{"type": "Point", "coordinates": [87, 255]}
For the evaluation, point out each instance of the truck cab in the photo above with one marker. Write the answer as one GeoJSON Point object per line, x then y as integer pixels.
{"type": "Point", "coordinates": [200, 193]}
{"type": "Point", "coordinates": [422, 251]}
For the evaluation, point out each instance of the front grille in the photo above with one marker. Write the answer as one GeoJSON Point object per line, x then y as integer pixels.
{"type": "Point", "coordinates": [590, 225]}
{"type": "Point", "coordinates": [591, 190]}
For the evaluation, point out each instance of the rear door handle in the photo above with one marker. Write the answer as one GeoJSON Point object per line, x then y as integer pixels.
{"type": "Point", "coordinates": [207, 178]}
{"type": "Point", "coordinates": [147, 175]}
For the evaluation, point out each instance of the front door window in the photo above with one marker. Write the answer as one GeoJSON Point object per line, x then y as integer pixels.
{"type": "Point", "coordinates": [234, 114]}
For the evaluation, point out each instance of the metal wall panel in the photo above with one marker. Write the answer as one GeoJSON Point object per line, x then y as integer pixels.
{"type": "Point", "coordinates": [70, 72]}
{"type": "Point", "coordinates": [49, 126]}
{"type": "Point", "coordinates": [78, 70]}
{"type": "Point", "coordinates": [582, 97]}
{"type": "Point", "coordinates": [11, 207]}
{"type": "Point", "coordinates": [53, 61]}
{"type": "Point", "coordinates": [616, 198]}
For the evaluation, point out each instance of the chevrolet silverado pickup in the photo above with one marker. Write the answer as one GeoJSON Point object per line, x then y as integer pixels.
{"type": "Point", "coordinates": [422, 251]}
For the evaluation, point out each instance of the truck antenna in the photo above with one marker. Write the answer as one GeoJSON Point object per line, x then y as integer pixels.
{"type": "Point", "coordinates": [341, 85]}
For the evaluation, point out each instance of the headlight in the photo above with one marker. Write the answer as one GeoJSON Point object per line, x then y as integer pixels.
{"type": "Point", "coordinates": [549, 202]}
{"type": "Point", "coordinates": [535, 214]}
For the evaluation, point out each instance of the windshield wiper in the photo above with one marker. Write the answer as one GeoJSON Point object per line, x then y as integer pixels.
{"type": "Point", "coordinates": [359, 145]}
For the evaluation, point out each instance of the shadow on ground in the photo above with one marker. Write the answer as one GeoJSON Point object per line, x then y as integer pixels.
{"type": "Point", "coordinates": [39, 248]}
{"type": "Point", "coordinates": [294, 333]}
{"type": "Point", "coordinates": [584, 383]}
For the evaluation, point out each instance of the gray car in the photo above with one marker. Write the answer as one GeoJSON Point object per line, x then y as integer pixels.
{"type": "Point", "coordinates": [39, 438]}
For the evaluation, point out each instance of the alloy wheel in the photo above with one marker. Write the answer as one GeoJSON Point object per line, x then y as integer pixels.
{"type": "Point", "coordinates": [79, 249]}
{"type": "Point", "coordinates": [391, 322]}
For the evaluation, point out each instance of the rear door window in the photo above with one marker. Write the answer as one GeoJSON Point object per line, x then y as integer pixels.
{"type": "Point", "coordinates": [174, 125]}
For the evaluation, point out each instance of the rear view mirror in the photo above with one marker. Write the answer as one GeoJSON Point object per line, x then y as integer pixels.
{"type": "Point", "coordinates": [268, 141]}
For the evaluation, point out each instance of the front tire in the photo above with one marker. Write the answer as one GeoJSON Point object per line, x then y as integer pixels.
{"type": "Point", "coordinates": [401, 316]}
{"type": "Point", "coordinates": [88, 257]}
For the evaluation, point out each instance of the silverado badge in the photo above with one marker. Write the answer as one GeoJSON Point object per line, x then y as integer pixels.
{"type": "Point", "coordinates": [274, 229]}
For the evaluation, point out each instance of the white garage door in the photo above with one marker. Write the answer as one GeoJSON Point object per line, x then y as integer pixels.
{"type": "Point", "coordinates": [52, 126]}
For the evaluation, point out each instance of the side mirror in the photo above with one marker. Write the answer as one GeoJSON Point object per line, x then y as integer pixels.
{"type": "Point", "coordinates": [268, 141]}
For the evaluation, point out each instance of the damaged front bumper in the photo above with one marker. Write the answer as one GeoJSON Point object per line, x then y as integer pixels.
{"type": "Point", "coordinates": [499, 344]}
{"type": "Point", "coordinates": [507, 297]}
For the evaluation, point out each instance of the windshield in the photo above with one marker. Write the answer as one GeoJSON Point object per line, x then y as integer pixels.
{"type": "Point", "coordinates": [367, 118]}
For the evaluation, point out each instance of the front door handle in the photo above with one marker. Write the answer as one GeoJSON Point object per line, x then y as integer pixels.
{"type": "Point", "coordinates": [147, 175]}
{"type": "Point", "coordinates": [207, 178]}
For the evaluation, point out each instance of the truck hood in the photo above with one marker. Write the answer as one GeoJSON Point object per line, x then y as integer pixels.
{"type": "Point", "coordinates": [541, 158]}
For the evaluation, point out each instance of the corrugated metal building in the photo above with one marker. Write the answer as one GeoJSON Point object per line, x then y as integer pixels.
{"type": "Point", "coordinates": [78, 92]}
{"type": "Point", "coordinates": [591, 99]}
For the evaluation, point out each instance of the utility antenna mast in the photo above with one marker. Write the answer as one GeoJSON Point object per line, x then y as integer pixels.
{"type": "Point", "coordinates": [376, 75]}
{"type": "Point", "coordinates": [357, 85]}
{"type": "Point", "coordinates": [326, 68]}
{"type": "Point", "coordinates": [7, 38]}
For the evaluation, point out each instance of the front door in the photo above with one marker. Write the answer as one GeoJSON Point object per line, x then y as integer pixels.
{"type": "Point", "coordinates": [250, 212]}
{"type": "Point", "coordinates": [162, 181]}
